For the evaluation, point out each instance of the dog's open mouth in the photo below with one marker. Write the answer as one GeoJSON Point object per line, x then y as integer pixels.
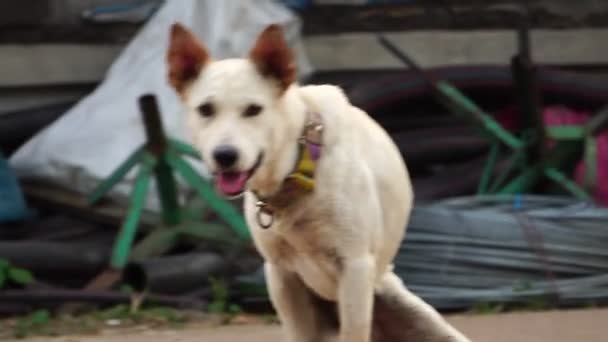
{"type": "Point", "coordinates": [233, 183]}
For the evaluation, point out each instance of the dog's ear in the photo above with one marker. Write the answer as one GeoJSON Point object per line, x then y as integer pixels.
{"type": "Point", "coordinates": [185, 58]}
{"type": "Point", "coordinates": [273, 57]}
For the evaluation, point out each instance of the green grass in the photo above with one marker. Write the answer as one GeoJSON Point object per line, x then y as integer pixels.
{"type": "Point", "coordinates": [220, 299]}
{"type": "Point", "coordinates": [13, 276]}
{"type": "Point", "coordinates": [42, 323]}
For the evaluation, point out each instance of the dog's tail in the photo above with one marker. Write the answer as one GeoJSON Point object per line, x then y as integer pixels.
{"type": "Point", "coordinates": [401, 316]}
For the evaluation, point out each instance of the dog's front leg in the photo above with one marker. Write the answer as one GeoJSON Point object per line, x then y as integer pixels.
{"type": "Point", "coordinates": [294, 305]}
{"type": "Point", "coordinates": [356, 299]}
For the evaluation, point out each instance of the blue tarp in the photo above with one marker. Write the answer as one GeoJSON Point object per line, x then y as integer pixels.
{"type": "Point", "coordinates": [12, 204]}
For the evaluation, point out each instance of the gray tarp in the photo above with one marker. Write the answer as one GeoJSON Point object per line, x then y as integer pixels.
{"type": "Point", "coordinates": [506, 249]}
{"type": "Point", "coordinates": [470, 250]}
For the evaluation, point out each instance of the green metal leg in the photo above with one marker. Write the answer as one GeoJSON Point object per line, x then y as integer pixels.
{"type": "Point", "coordinates": [116, 176]}
{"type": "Point", "coordinates": [224, 209]}
{"type": "Point", "coordinates": [465, 105]}
{"type": "Point", "coordinates": [215, 233]}
{"type": "Point", "coordinates": [513, 163]}
{"type": "Point", "coordinates": [168, 193]}
{"type": "Point", "coordinates": [566, 183]}
{"type": "Point", "coordinates": [122, 246]}
{"type": "Point", "coordinates": [566, 132]}
{"type": "Point", "coordinates": [590, 163]}
{"type": "Point", "coordinates": [562, 154]}
{"type": "Point", "coordinates": [157, 242]}
{"type": "Point", "coordinates": [488, 169]}
{"type": "Point", "coordinates": [183, 148]}
{"type": "Point", "coordinates": [523, 183]}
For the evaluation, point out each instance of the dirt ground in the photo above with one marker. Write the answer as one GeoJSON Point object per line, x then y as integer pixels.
{"type": "Point", "coordinates": [554, 326]}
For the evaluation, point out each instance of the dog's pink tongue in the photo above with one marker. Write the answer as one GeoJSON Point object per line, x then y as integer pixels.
{"type": "Point", "coordinates": [231, 183]}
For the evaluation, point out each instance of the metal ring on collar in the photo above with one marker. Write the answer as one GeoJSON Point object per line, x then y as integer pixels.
{"type": "Point", "coordinates": [269, 221]}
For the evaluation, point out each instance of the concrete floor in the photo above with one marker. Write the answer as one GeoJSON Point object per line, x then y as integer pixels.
{"type": "Point", "coordinates": [554, 326]}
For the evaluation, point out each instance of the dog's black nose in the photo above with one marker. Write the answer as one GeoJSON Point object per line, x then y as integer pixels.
{"type": "Point", "coordinates": [225, 156]}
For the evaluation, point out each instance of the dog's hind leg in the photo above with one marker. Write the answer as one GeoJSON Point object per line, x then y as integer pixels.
{"type": "Point", "coordinates": [401, 316]}
{"type": "Point", "coordinates": [299, 310]}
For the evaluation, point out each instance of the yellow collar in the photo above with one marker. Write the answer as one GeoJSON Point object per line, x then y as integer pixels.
{"type": "Point", "coordinates": [302, 179]}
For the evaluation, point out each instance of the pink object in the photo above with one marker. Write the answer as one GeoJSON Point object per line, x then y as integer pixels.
{"type": "Point", "coordinates": [601, 190]}
{"type": "Point", "coordinates": [556, 115]}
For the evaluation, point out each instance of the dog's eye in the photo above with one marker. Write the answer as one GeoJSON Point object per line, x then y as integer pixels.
{"type": "Point", "coordinates": [206, 110]}
{"type": "Point", "coordinates": [252, 110]}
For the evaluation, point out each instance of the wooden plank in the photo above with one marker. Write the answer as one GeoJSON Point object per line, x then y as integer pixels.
{"type": "Point", "coordinates": [47, 64]}
{"type": "Point", "coordinates": [67, 201]}
{"type": "Point", "coordinates": [358, 51]}
{"type": "Point", "coordinates": [51, 64]}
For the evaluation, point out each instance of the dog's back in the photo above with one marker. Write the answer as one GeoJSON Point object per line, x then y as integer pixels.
{"type": "Point", "coordinates": [360, 142]}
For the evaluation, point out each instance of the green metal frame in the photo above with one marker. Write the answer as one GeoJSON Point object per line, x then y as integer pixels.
{"type": "Point", "coordinates": [529, 158]}
{"type": "Point", "coordinates": [159, 157]}
{"type": "Point", "coordinates": [522, 148]}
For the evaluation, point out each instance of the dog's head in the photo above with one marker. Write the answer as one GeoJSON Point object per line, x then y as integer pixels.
{"type": "Point", "coordinates": [231, 103]}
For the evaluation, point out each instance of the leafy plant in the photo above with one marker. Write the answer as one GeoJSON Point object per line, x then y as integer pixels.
{"type": "Point", "coordinates": [220, 299]}
{"type": "Point", "coordinates": [522, 286]}
{"type": "Point", "coordinates": [158, 314]}
{"type": "Point", "coordinates": [484, 308]}
{"type": "Point", "coordinates": [3, 272]}
{"type": "Point", "coordinates": [533, 302]}
{"type": "Point", "coordinates": [42, 323]}
{"type": "Point", "coordinates": [35, 323]}
{"type": "Point", "coordinates": [271, 319]}
{"type": "Point", "coordinates": [10, 274]}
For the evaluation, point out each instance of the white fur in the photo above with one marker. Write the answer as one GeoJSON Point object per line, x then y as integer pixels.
{"type": "Point", "coordinates": [338, 242]}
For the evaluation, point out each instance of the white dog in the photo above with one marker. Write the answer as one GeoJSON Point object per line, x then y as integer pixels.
{"type": "Point", "coordinates": [327, 194]}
